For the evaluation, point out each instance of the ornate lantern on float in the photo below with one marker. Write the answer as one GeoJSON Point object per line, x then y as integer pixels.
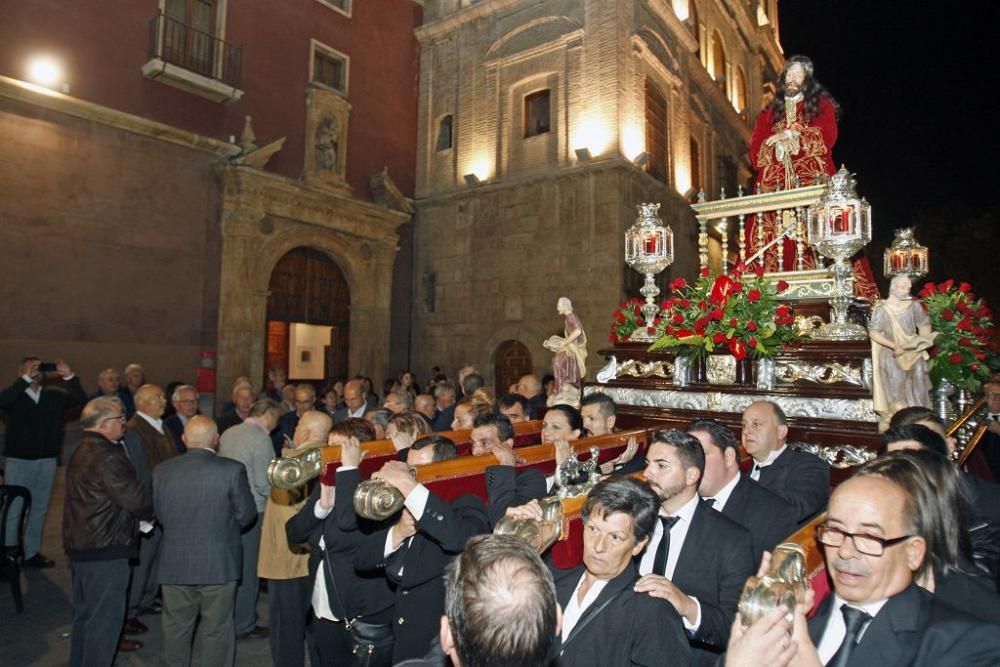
{"type": "Point", "coordinates": [649, 248]}
{"type": "Point", "coordinates": [905, 256]}
{"type": "Point", "coordinates": [840, 224]}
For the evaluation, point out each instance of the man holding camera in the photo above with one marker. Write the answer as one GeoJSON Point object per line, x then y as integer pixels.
{"type": "Point", "coordinates": [34, 412]}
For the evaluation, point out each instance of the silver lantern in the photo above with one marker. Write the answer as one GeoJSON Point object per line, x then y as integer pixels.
{"type": "Point", "coordinates": [839, 226]}
{"type": "Point", "coordinates": [905, 256]}
{"type": "Point", "coordinates": [649, 248]}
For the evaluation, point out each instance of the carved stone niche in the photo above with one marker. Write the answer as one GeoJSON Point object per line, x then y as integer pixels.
{"type": "Point", "coordinates": [327, 116]}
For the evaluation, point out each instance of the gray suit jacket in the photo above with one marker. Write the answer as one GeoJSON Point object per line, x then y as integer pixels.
{"type": "Point", "coordinates": [203, 502]}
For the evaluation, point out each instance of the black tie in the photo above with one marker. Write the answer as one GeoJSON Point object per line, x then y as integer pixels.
{"type": "Point", "coordinates": [660, 561]}
{"type": "Point", "coordinates": [855, 620]}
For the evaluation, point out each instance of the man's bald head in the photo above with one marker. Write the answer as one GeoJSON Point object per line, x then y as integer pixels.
{"type": "Point", "coordinates": [313, 426]}
{"type": "Point", "coordinates": [529, 386]}
{"type": "Point", "coordinates": [201, 433]}
{"type": "Point", "coordinates": [149, 399]}
{"type": "Point", "coordinates": [354, 395]}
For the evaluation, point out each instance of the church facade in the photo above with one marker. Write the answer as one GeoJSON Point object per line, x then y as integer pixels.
{"type": "Point", "coordinates": [541, 126]}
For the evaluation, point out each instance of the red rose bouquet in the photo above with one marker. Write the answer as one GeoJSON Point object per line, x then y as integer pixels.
{"type": "Point", "coordinates": [965, 326]}
{"type": "Point", "coordinates": [736, 313]}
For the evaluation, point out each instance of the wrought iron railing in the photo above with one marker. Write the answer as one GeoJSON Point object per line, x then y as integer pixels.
{"type": "Point", "coordinates": [182, 45]}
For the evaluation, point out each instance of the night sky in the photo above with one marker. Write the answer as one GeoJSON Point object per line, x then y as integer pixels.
{"type": "Point", "coordinates": [918, 83]}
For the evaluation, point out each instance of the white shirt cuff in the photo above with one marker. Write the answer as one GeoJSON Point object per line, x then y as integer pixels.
{"type": "Point", "coordinates": [693, 627]}
{"type": "Point", "coordinates": [69, 377]}
{"type": "Point", "coordinates": [319, 512]}
{"type": "Point", "coordinates": [27, 378]}
{"type": "Point", "coordinates": [416, 502]}
{"type": "Point", "coordinates": [343, 468]}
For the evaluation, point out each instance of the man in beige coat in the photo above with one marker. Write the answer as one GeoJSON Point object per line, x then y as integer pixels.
{"type": "Point", "coordinates": [285, 565]}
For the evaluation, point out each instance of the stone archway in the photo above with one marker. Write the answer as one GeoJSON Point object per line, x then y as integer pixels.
{"type": "Point", "coordinates": [308, 317]}
{"type": "Point", "coordinates": [511, 360]}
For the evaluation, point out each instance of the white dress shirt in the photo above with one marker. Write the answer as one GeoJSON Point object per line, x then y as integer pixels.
{"type": "Point", "coordinates": [833, 634]}
{"type": "Point", "coordinates": [359, 413]}
{"type": "Point", "coordinates": [416, 502]}
{"type": "Point", "coordinates": [155, 423]}
{"type": "Point", "coordinates": [574, 609]}
{"type": "Point", "coordinates": [320, 599]}
{"type": "Point", "coordinates": [720, 499]}
{"type": "Point", "coordinates": [678, 532]}
{"type": "Point", "coordinates": [755, 473]}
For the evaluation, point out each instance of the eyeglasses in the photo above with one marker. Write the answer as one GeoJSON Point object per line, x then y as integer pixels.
{"type": "Point", "coordinates": [869, 545]}
{"type": "Point", "coordinates": [119, 418]}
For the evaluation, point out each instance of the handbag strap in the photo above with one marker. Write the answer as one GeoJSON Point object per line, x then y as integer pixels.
{"type": "Point", "coordinates": [348, 622]}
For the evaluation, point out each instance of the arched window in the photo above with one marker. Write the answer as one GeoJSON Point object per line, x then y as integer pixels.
{"type": "Point", "coordinates": [444, 133]}
{"type": "Point", "coordinates": [717, 57]}
{"type": "Point", "coordinates": [740, 91]}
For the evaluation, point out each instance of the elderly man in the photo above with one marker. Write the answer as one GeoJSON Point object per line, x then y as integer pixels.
{"type": "Point", "coordinates": [34, 413]}
{"type": "Point", "coordinates": [423, 404]}
{"type": "Point", "coordinates": [697, 559]}
{"type": "Point", "coordinates": [284, 565]}
{"type": "Point", "coordinates": [444, 399]}
{"type": "Point", "coordinates": [801, 479]}
{"type": "Point", "coordinates": [203, 502]}
{"type": "Point", "coordinates": [104, 503]}
{"type": "Point", "coordinates": [304, 401]}
{"type": "Point", "coordinates": [413, 553]}
{"type": "Point", "coordinates": [147, 445]}
{"type": "Point", "coordinates": [109, 384]}
{"type": "Point", "coordinates": [185, 402]}
{"type": "Point", "coordinates": [769, 519]}
{"type": "Point", "coordinates": [877, 614]}
{"type": "Point", "coordinates": [243, 398]}
{"type": "Point", "coordinates": [398, 401]}
{"type": "Point", "coordinates": [531, 388]}
{"type": "Point", "coordinates": [250, 444]}
{"type": "Point", "coordinates": [607, 620]}
{"type": "Point", "coordinates": [354, 402]}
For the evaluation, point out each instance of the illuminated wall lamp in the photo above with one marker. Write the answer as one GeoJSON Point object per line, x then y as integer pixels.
{"type": "Point", "coordinates": [472, 180]}
{"type": "Point", "coordinates": [583, 154]}
{"type": "Point", "coordinates": [641, 160]}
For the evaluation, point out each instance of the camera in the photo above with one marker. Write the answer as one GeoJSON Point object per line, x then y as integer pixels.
{"type": "Point", "coordinates": [47, 367]}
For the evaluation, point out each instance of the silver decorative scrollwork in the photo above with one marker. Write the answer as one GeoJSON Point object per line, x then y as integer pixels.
{"type": "Point", "coordinates": [571, 469]}
{"type": "Point", "coordinates": [294, 471]}
{"type": "Point", "coordinates": [539, 534]}
{"type": "Point", "coordinates": [837, 456]}
{"type": "Point", "coordinates": [790, 372]}
{"type": "Point", "coordinates": [638, 369]}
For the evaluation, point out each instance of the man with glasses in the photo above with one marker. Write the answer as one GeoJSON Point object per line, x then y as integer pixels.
{"type": "Point", "coordinates": [305, 400]}
{"type": "Point", "coordinates": [991, 439]}
{"type": "Point", "coordinates": [185, 401]}
{"type": "Point", "coordinates": [877, 614]}
{"type": "Point", "coordinates": [104, 503]}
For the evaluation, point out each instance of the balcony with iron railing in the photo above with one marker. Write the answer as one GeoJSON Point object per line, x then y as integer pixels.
{"type": "Point", "coordinates": [185, 57]}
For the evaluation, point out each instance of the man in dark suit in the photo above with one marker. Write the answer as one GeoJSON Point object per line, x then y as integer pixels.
{"type": "Point", "coordinates": [607, 620]}
{"type": "Point", "coordinates": [769, 519]}
{"type": "Point", "coordinates": [243, 399]}
{"type": "Point", "coordinates": [333, 530]}
{"type": "Point", "coordinates": [531, 388]}
{"type": "Point", "coordinates": [203, 503]}
{"type": "Point", "coordinates": [801, 479]}
{"type": "Point", "coordinates": [697, 559]}
{"type": "Point", "coordinates": [185, 402]}
{"type": "Point", "coordinates": [991, 439]}
{"type": "Point", "coordinates": [148, 444]}
{"type": "Point", "coordinates": [494, 434]}
{"type": "Point", "coordinates": [355, 404]}
{"type": "Point", "coordinates": [877, 615]}
{"type": "Point", "coordinates": [34, 413]}
{"type": "Point", "coordinates": [305, 400]}
{"type": "Point", "coordinates": [444, 401]}
{"type": "Point", "coordinates": [414, 552]}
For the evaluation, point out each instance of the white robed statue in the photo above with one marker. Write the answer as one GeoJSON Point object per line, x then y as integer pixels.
{"type": "Point", "coordinates": [900, 331]}
{"type": "Point", "coordinates": [569, 363]}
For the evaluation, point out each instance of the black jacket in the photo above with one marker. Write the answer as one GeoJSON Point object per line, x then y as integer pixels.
{"type": "Point", "coordinates": [506, 487]}
{"type": "Point", "coordinates": [800, 478]}
{"type": "Point", "coordinates": [35, 430]}
{"type": "Point", "coordinates": [351, 594]}
{"type": "Point", "coordinates": [770, 519]}
{"type": "Point", "coordinates": [442, 532]}
{"type": "Point", "coordinates": [104, 502]}
{"type": "Point", "coordinates": [621, 627]}
{"type": "Point", "coordinates": [917, 630]}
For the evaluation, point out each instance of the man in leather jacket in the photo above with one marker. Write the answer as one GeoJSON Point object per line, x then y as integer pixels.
{"type": "Point", "coordinates": [104, 504]}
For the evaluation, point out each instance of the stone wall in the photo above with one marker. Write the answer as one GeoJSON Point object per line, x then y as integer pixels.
{"type": "Point", "coordinates": [108, 246]}
{"type": "Point", "coordinates": [502, 255]}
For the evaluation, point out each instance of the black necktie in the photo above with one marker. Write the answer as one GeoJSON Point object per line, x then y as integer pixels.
{"type": "Point", "coordinates": [855, 620]}
{"type": "Point", "coordinates": [660, 561]}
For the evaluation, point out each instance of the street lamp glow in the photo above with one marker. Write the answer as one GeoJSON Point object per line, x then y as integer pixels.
{"type": "Point", "coordinates": [45, 71]}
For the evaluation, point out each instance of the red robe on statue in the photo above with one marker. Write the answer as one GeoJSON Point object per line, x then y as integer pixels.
{"type": "Point", "coordinates": [806, 159]}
